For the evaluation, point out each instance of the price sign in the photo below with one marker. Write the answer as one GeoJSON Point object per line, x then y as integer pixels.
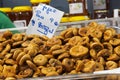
{"type": "Point", "coordinates": [45, 21]}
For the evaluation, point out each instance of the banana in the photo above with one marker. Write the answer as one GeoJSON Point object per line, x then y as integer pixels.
{"type": "Point", "coordinates": [69, 34]}
{"type": "Point", "coordinates": [55, 47]}
{"type": "Point", "coordinates": [63, 55]}
{"type": "Point", "coordinates": [31, 65]}
{"type": "Point", "coordinates": [24, 74]}
{"type": "Point", "coordinates": [79, 65]}
{"type": "Point", "coordinates": [111, 65]}
{"type": "Point", "coordinates": [62, 33]}
{"type": "Point", "coordinates": [101, 60]}
{"type": "Point", "coordinates": [47, 70]}
{"type": "Point", "coordinates": [57, 52]}
{"type": "Point", "coordinates": [114, 41]}
{"type": "Point", "coordinates": [113, 57]}
{"type": "Point", "coordinates": [54, 62]}
{"type": "Point", "coordinates": [107, 35]}
{"type": "Point", "coordinates": [84, 41]}
{"type": "Point", "coordinates": [112, 30]}
{"type": "Point", "coordinates": [19, 56]}
{"type": "Point", "coordinates": [97, 34]}
{"type": "Point", "coordinates": [59, 37]}
{"type": "Point", "coordinates": [96, 40]}
{"type": "Point", "coordinates": [78, 51]}
{"type": "Point", "coordinates": [8, 56]}
{"type": "Point", "coordinates": [93, 54]}
{"type": "Point", "coordinates": [52, 74]}
{"type": "Point", "coordinates": [101, 27]}
{"type": "Point", "coordinates": [99, 67]}
{"type": "Point", "coordinates": [75, 31]}
{"type": "Point", "coordinates": [93, 24]}
{"type": "Point", "coordinates": [24, 59]}
{"type": "Point", "coordinates": [16, 44]}
{"type": "Point", "coordinates": [32, 52]}
{"type": "Point", "coordinates": [104, 53]}
{"type": "Point", "coordinates": [43, 38]}
{"type": "Point", "coordinates": [90, 68]}
{"type": "Point", "coordinates": [96, 46]}
{"type": "Point", "coordinates": [1, 47]}
{"type": "Point", "coordinates": [31, 36]}
{"type": "Point", "coordinates": [10, 62]}
{"type": "Point", "coordinates": [53, 41]}
{"type": "Point", "coordinates": [117, 50]}
{"type": "Point", "coordinates": [108, 46]}
{"type": "Point", "coordinates": [75, 40]}
{"type": "Point", "coordinates": [16, 53]}
{"type": "Point", "coordinates": [2, 39]}
{"type": "Point", "coordinates": [7, 34]}
{"type": "Point", "coordinates": [7, 48]}
{"type": "Point", "coordinates": [40, 60]}
{"type": "Point", "coordinates": [49, 56]}
{"type": "Point", "coordinates": [73, 72]}
{"type": "Point", "coordinates": [68, 64]}
{"type": "Point", "coordinates": [37, 41]}
{"type": "Point", "coordinates": [25, 43]}
{"type": "Point", "coordinates": [17, 37]}
{"type": "Point", "coordinates": [9, 70]}
{"type": "Point", "coordinates": [83, 31]}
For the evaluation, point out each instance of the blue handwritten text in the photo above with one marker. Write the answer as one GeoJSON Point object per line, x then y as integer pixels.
{"type": "Point", "coordinates": [48, 9]}
{"type": "Point", "coordinates": [38, 14]}
{"type": "Point", "coordinates": [45, 28]}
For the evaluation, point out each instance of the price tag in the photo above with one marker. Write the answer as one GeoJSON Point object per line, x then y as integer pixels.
{"type": "Point", "coordinates": [44, 21]}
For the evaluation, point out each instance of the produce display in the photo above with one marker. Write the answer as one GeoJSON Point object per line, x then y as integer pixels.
{"type": "Point", "coordinates": [90, 48]}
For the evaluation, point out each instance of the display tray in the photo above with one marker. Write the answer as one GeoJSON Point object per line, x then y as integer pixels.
{"type": "Point", "coordinates": [80, 77]}
{"type": "Point", "coordinates": [99, 75]}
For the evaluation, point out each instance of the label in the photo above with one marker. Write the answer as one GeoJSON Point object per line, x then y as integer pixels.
{"type": "Point", "coordinates": [99, 4]}
{"type": "Point", "coordinates": [76, 8]}
{"type": "Point", "coordinates": [45, 21]}
{"type": "Point", "coordinates": [116, 13]}
{"type": "Point", "coordinates": [20, 23]}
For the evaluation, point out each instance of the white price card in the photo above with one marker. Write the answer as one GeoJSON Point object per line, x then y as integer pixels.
{"type": "Point", "coordinates": [45, 21]}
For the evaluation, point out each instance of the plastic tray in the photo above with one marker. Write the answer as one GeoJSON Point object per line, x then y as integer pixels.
{"type": "Point", "coordinates": [105, 75]}
{"type": "Point", "coordinates": [80, 77]}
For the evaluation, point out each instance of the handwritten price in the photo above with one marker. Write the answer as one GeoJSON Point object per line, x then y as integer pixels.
{"type": "Point", "coordinates": [45, 20]}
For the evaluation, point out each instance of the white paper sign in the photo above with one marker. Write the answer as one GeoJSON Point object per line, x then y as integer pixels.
{"type": "Point", "coordinates": [44, 21]}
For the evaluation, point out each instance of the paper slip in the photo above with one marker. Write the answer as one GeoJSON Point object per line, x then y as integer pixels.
{"type": "Point", "coordinates": [44, 21]}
